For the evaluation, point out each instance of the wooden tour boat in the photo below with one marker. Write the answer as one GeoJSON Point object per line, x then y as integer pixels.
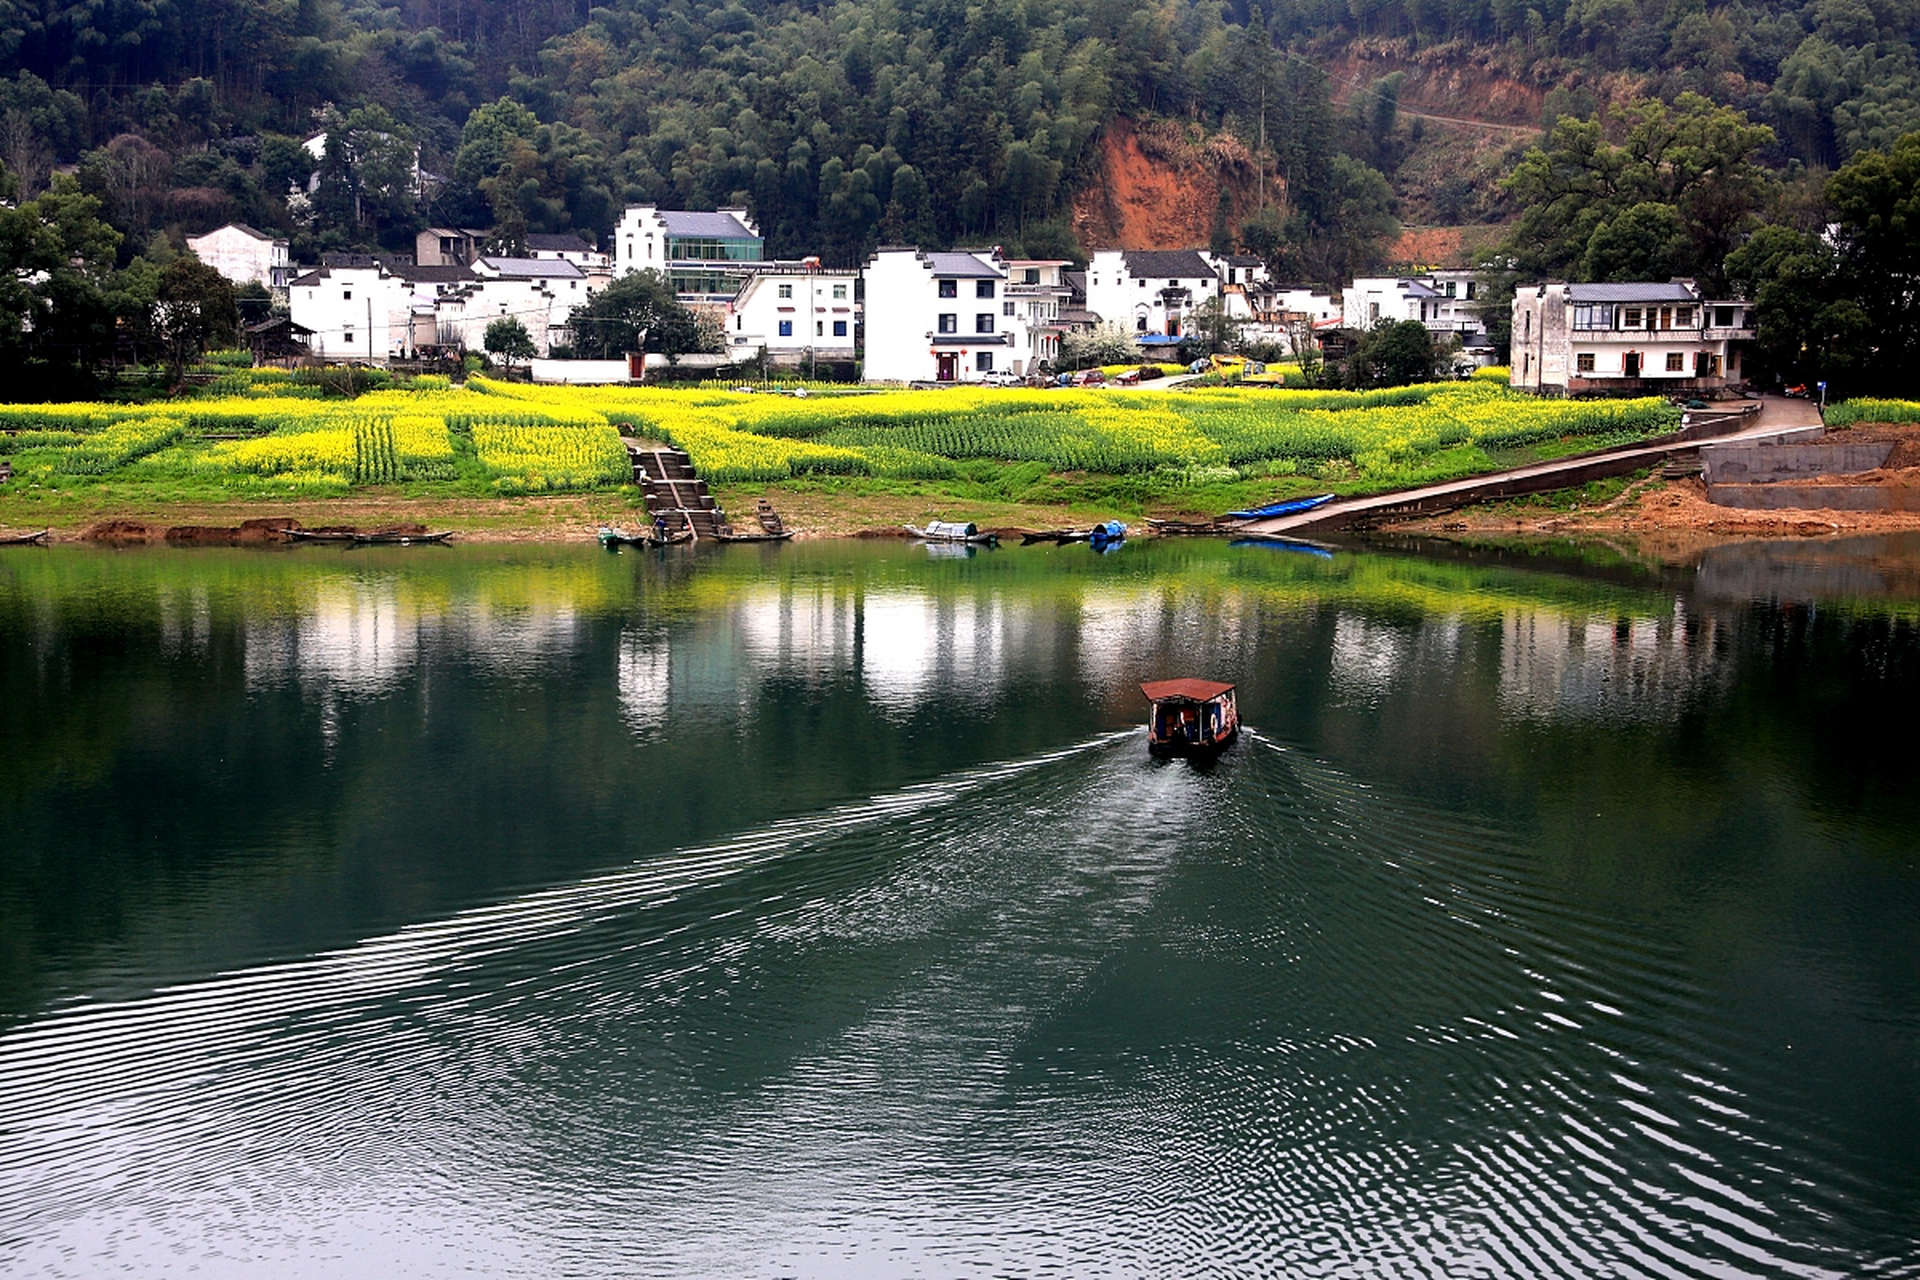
{"type": "Point", "coordinates": [1190, 717]}
{"type": "Point", "coordinates": [24, 539]}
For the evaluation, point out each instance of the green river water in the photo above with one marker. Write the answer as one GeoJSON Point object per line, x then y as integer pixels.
{"type": "Point", "coordinates": [816, 910]}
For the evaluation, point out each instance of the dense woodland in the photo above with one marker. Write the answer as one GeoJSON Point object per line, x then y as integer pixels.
{"type": "Point", "coordinates": [1676, 128]}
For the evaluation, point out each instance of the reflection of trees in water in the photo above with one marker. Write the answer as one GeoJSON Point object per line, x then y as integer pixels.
{"type": "Point", "coordinates": [1555, 667]}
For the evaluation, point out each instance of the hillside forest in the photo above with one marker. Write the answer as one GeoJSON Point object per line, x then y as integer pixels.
{"type": "Point", "coordinates": [1677, 136]}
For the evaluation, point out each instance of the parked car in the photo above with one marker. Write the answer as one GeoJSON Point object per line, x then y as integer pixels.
{"type": "Point", "coordinates": [1090, 378]}
{"type": "Point", "coordinates": [1002, 378]}
{"type": "Point", "coordinates": [1125, 378]}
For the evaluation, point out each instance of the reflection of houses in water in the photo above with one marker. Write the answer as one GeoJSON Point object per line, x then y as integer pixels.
{"type": "Point", "coordinates": [1632, 668]}
{"type": "Point", "coordinates": [904, 646]}
{"type": "Point", "coordinates": [1370, 656]}
{"type": "Point", "coordinates": [1126, 636]}
{"type": "Point", "coordinates": [915, 646]}
{"type": "Point", "coordinates": [186, 622]}
{"type": "Point", "coordinates": [516, 643]}
{"type": "Point", "coordinates": [642, 678]}
{"type": "Point", "coordinates": [355, 639]}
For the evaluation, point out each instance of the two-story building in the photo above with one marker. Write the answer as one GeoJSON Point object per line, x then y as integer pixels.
{"type": "Point", "coordinates": [245, 256]}
{"type": "Point", "coordinates": [1628, 339]}
{"type": "Point", "coordinates": [706, 257]}
{"type": "Point", "coordinates": [1151, 293]}
{"type": "Point", "coordinates": [797, 312]}
{"type": "Point", "coordinates": [939, 317]}
{"type": "Point", "coordinates": [1446, 302]}
{"type": "Point", "coordinates": [449, 246]}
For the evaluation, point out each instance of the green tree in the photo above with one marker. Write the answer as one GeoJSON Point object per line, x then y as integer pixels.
{"type": "Point", "coordinates": [637, 312]}
{"type": "Point", "coordinates": [193, 311]}
{"type": "Point", "coordinates": [508, 339]}
{"type": "Point", "coordinates": [1393, 355]}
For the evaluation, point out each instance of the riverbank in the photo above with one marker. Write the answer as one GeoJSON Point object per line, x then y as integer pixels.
{"type": "Point", "coordinates": [1677, 510]}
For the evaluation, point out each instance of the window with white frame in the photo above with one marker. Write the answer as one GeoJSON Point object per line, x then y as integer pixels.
{"type": "Point", "coordinates": [786, 291]}
{"type": "Point", "coordinates": [1006, 308]}
{"type": "Point", "coordinates": [839, 293]}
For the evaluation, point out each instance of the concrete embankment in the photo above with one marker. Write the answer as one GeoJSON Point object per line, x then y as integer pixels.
{"type": "Point", "coordinates": [1748, 423]}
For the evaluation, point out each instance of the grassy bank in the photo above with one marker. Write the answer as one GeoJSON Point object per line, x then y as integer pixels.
{"type": "Point", "coordinates": [491, 453]}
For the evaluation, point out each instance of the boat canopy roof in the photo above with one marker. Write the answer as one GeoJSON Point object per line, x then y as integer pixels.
{"type": "Point", "coordinates": [1189, 689]}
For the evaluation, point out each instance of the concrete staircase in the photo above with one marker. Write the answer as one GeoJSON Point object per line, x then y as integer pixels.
{"type": "Point", "coordinates": [675, 491]}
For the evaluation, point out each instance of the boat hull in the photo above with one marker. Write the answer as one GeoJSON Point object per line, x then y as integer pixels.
{"type": "Point", "coordinates": [1178, 748]}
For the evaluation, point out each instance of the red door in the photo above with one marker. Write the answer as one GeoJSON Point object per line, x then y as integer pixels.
{"type": "Point", "coordinates": [948, 366]}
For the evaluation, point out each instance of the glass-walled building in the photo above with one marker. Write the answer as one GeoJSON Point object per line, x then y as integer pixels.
{"type": "Point", "coordinates": [697, 252]}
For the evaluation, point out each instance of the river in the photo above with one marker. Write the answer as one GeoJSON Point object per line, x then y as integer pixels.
{"type": "Point", "coordinates": [816, 910]}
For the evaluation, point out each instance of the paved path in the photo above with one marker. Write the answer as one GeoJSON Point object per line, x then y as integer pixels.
{"type": "Point", "coordinates": [1777, 416]}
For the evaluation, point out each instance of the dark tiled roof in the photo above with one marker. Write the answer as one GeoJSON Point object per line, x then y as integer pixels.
{"type": "Point", "coordinates": [531, 268]}
{"type": "Point", "coordinates": [1174, 264]}
{"type": "Point", "coordinates": [568, 243]}
{"type": "Point", "coordinates": [433, 275]}
{"type": "Point", "coordinates": [1637, 291]}
{"type": "Point", "coordinates": [1076, 281]}
{"type": "Point", "coordinates": [962, 266]}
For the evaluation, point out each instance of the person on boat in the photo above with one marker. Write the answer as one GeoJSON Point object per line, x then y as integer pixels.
{"type": "Point", "coordinates": [660, 527]}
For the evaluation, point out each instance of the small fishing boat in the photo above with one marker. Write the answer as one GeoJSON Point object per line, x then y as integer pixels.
{"type": "Point", "coordinates": [1190, 717]}
{"type": "Point", "coordinates": [1099, 535]}
{"type": "Point", "coordinates": [952, 531]}
{"type": "Point", "coordinates": [400, 539]}
{"type": "Point", "coordinates": [376, 538]}
{"type": "Point", "coordinates": [1291, 507]}
{"type": "Point", "coordinates": [24, 539]}
{"type": "Point", "coordinates": [730, 534]}
{"type": "Point", "coordinates": [613, 537]}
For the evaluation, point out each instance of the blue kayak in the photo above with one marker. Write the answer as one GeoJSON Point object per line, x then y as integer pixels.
{"type": "Point", "coordinates": [1293, 507]}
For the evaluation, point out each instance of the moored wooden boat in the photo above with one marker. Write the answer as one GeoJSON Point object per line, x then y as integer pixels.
{"type": "Point", "coordinates": [612, 536]}
{"type": "Point", "coordinates": [1190, 717]}
{"type": "Point", "coordinates": [401, 539]}
{"type": "Point", "coordinates": [23, 539]}
{"type": "Point", "coordinates": [377, 538]}
{"type": "Point", "coordinates": [730, 534]}
{"type": "Point", "coordinates": [952, 531]}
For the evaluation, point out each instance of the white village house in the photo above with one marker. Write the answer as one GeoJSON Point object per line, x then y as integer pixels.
{"type": "Point", "coordinates": [796, 312]}
{"type": "Point", "coordinates": [366, 309]}
{"type": "Point", "coordinates": [1151, 293]}
{"type": "Point", "coordinates": [1571, 339]}
{"type": "Point", "coordinates": [244, 255]}
{"type": "Point", "coordinates": [939, 317]}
